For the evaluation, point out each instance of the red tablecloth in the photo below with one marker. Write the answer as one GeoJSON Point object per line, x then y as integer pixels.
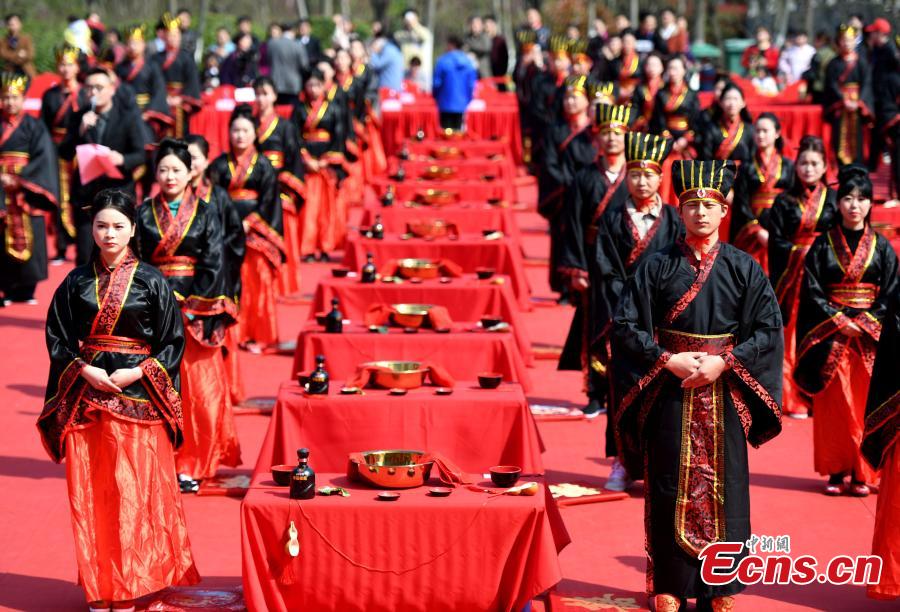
{"type": "Point", "coordinates": [468, 551]}
{"type": "Point", "coordinates": [490, 150]}
{"type": "Point", "coordinates": [500, 120]}
{"type": "Point", "coordinates": [890, 216]}
{"type": "Point", "coordinates": [463, 353]}
{"type": "Point", "coordinates": [409, 189]}
{"type": "Point", "coordinates": [212, 123]}
{"type": "Point", "coordinates": [797, 120]}
{"type": "Point", "coordinates": [398, 125]}
{"type": "Point", "coordinates": [469, 217]}
{"type": "Point", "coordinates": [470, 251]}
{"type": "Point", "coordinates": [466, 299]}
{"type": "Point", "coordinates": [474, 427]}
{"type": "Point", "coordinates": [465, 169]}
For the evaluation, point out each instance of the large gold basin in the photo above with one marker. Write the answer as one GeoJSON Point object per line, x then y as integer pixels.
{"type": "Point", "coordinates": [397, 374]}
{"type": "Point", "coordinates": [417, 268]}
{"type": "Point", "coordinates": [410, 315]}
{"type": "Point", "coordinates": [390, 469]}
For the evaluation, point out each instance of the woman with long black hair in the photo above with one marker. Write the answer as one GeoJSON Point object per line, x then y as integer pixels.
{"type": "Point", "coordinates": [113, 412]}
{"type": "Point", "coordinates": [851, 275]}
{"type": "Point", "coordinates": [757, 184]}
{"type": "Point", "coordinates": [729, 134]}
{"type": "Point", "coordinates": [181, 234]}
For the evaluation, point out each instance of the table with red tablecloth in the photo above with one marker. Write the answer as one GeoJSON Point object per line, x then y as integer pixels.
{"type": "Point", "coordinates": [469, 217]}
{"type": "Point", "coordinates": [401, 121]}
{"type": "Point", "coordinates": [461, 169]}
{"type": "Point", "coordinates": [466, 299]}
{"type": "Point", "coordinates": [211, 121]}
{"type": "Point", "coordinates": [468, 551]}
{"type": "Point", "coordinates": [498, 120]}
{"type": "Point", "coordinates": [465, 352]}
{"type": "Point", "coordinates": [412, 189]}
{"type": "Point", "coordinates": [476, 428]}
{"type": "Point", "coordinates": [469, 251]}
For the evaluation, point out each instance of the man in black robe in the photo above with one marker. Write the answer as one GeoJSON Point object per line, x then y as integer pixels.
{"type": "Point", "coordinates": [110, 123]}
{"type": "Point", "coordinates": [181, 76]}
{"type": "Point", "coordinates": [29, 182]}
{"type": "Point", "coordinates": [698, 345]}
{"type": "Point", "coordinates": [636, 224]}
{"type": "Point", "coordinates": [548, 90]}
{"type": "Point", "coordinates": [146, 79]}
{"type": "Point", "coordinates": [585, 200]}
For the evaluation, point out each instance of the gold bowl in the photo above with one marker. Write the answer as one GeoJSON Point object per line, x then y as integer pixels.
{"type": "Point", "coordinates": [447, 153]}
{"type": "Point", "coordinates": [410, 315]}
{"type": "Point", "coordinates": [441, 173]}
{"type": "Point", "coordinates": [428, 228]}
{"type": "Point", "coordinates": [417, 268]}
{"type": "Point", "coordinates": [397, 374]}
{"type": "Point", "coordinates": [436, 196]}
{"type": "Point", "coordinates": [390, 469]}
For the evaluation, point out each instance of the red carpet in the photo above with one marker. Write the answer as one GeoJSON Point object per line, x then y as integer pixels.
{"type": "Point", "coordinates": [604, 565]}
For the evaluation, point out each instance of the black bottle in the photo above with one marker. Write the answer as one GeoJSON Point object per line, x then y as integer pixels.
{"type": "Point", "coordinates": [401, 174]}
{"type": "Point", "coordinates": [388, 198]}
{"type": "Point", "coordinates": [420, 135]}
{"type": "Point", "coordinates": [318, 379]}
{"type": "Point", "coordinates": [378, 228]}
{"type": "Point", "coordinates": [404, 153]}
{"type": "Point", "coordinates": [303, 479]}
{"type": "Point", "coordinates": [334, 320]}
{"type": "Point", "coordinates": [368, 270]}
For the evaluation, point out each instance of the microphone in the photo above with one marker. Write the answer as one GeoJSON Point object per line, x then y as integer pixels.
{"type": "Point", "coordinates": [93, 104]}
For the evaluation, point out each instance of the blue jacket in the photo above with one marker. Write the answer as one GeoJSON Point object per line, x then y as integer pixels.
{"type": "Point", "coordinates": [388, 65]}
{"type": "Point", "coordinates": [454, 81]}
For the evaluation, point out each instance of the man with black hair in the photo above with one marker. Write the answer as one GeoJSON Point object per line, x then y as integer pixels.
{"type": "Point", "coordinates": [454, 83]}
{"type": "Point", "coordinates": [105, 121]}
{"type": "Point", "coordinates": [310, 44]}
{"type": "Point", "coordinates": [245, 26]}
{"type": "Point", "coordinates": [190, 39]}
{"type": "Point", "coordinates": [16, 48]}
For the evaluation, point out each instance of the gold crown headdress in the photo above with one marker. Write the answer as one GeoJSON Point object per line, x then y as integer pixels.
{"type": "Point", "coordinates": [848, 30]}
{"type": "Point", "coordinates": [67, 54]}
{"type": "Point", "coordinates": [646, 151]}
{"type": "Point", "coordinates": [699, 181]}
{"type": "Point", "coordinates": [13, 83]}
{"type": "Point", "coordinates": [578, 50]}
{"type": "Point", "coordinates": [614, 117]}
{"type": "Point", "coordinates": [527, 39]}
{"type": "Point", "coordinates": [601, 89]}
{"type": "Point", "coordinates": [559, 45]}
{"type": "Point", "coordinates": [577, 84]}
{"type": "Point", "coordinates": [171, 23]}
{"type": "Point", "coordinates": [135, 32]}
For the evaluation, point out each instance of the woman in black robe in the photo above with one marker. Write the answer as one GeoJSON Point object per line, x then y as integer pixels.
{"type": "Point", "coordinates": [113, 412]}
{"type": "Point", "coordinates": [29, 179]}
{"type": "Point", "coordinates": [881, 450]}
{"type": "Point", "coordinates": [322, 125]}
{"type": "Point", "coordinates": [847, 101]}
{"type": "Point", "coordinates": [235, 249]}
{"type": "Point", "coordinates": [755, 188]}
{"type": "Point", "coordinates": [567, 148]}
{"type": "Point", "coordinates": [797, 217]}
{"type": "Point", "coordinates": [147, 81]}
{"type": "Point", "coordinates": [697, 341]}
{"type": "Point", "coordinates": [182, 235]}
{"type": "Point", "coordinates": [729, 134]}
{"type": "Point", "coordinates": [851, 274]}
{"type": "Point", "coordinates": [252, 183]}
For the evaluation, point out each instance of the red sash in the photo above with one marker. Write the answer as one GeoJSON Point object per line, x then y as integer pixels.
{"type": "Point", "coordinates": [573, 133]}
{"type": "Point", "coordinates": [768, 176]}
{"type": "Point", "coordinates": [702, 269]}
{"type": "Point", "coordinates": [314, 114]}
{"type": "Point", "coordinates": [732, 137]}
{"type": "Point", "coordinates": [241, 168]}
{"type": "Point", "coordinates": [171, 54]}
{"type": "Point", "coordinates": [676, 98]}
{"type": "Point", "coordinates": [853, 264]}
{"type": "Point", "coordinates": [112, 289]}
{"type": "Point", "coordinates": [173, 230]}
{"type": "Point", "coordinates": [267, 127]}
{"type": "Point", "coordinates": [136, 67]}
{"type": "Point", "coordinates": [788, 286]}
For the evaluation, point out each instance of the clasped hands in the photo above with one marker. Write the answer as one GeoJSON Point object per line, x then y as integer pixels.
{"type": "Point", "coordinates": [696, 368]}
{"type": "Point", "coordinates": [111, 383]}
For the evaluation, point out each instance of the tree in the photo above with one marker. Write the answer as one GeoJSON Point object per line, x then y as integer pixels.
{"type": "Point", "coordinates": [700, 21]}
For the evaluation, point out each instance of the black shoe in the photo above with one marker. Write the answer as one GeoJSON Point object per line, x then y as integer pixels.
{"type": "Point", "coordinates": [563, 300]}
{"type": "Point", "coordinates": [593, 409]}
{"type": "Point", "coordinates": [324, 258]}
{"type": "Point", "coordinates": [188, 484]}
{"type": "Point", "coordinates": [309, 259]}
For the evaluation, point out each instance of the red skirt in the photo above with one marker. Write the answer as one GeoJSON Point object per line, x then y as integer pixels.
{"type": "Point", "coordinates": [257, 307]}
{"type": "Point", "coordinates": [886, 540]}
{"type": "Point", "coordinates": [234, 378]}
{"type": "Point", "coordinates": [289, 273]}
{"type": "Point", "coordinates": [352, 187]}
{"type": "Point", "coordinates": [373, 157]}
{"type": "Point", "coordinates": [322, 224]}
{"type": "Point", "coordinates": [793, 399]}
{"type": "Point", "coordinates": [210, 437]}
{"type": "Point", "coordinates": [131, 538]}
{"type": "Point", "coordinates": [839, 419]}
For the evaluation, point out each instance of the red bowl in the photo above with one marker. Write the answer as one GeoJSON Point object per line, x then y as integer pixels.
{"type": "Point", "coordinates": [281, 474]}
{"type": "Point", "coordinates": [505, 475]}
{"type": "Point", "coordinates": [490, 380]}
